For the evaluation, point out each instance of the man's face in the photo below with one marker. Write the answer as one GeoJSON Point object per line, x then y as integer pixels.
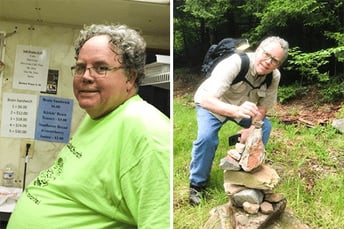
{"type": "Point", "coordinates": [268, 58]}
{"type": "Point", "coordinates": [99, 94]}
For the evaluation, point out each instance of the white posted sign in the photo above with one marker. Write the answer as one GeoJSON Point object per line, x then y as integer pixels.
{"type": "Point", "coordinates": [31, 68]}
{"type": "Point", "coordinates": [18, 115]}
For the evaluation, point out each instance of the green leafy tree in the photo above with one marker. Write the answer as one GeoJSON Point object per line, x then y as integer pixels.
{"type": "Point", "coordinates": [314, 29]}
{"type": "Point", "coordinates": [276, 14]}
{"type": "Point", "coordinates": [194, 21]}
{"type": "Point", "coordinates": [309, 64]}
{"type": "Point", "coordinates": [208, 13]}
{"type": "Point", "coordinates": [314, 24]}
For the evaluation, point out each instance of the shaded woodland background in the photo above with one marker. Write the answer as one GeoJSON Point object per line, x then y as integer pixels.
{"type": "Point", "coordinates": [313, 28]}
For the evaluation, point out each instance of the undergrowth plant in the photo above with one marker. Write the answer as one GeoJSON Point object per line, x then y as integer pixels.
{"type": "Point", "coordinates": [289, 92]}
{"type": "Point", "coordinates": [330, 91]}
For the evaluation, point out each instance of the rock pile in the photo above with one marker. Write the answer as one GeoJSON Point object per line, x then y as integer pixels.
{"type": "Point", "coordinates": [251, 196]}
{"type": "Point", "coordinates": [248, 156]}
{"type": "Point", "coordinates": [249, 183]}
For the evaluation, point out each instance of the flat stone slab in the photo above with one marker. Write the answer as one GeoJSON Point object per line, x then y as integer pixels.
{"type": "Point", "coordinates": [229, 217]}
{"type": "Point", "coordinates": [264, 178]}
{"type": "Point", "coordinates": [287, 221]}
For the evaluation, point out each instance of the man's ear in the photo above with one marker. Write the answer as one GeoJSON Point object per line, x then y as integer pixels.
{"type": "Point", "coordinates": [132, 78]}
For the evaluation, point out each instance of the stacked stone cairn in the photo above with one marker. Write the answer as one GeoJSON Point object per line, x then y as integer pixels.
{"type": "Point", "coordinates": [249, 183]}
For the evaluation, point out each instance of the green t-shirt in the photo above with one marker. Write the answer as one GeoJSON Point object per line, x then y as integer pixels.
{"type": "Point", "coordinates": [114, 173]}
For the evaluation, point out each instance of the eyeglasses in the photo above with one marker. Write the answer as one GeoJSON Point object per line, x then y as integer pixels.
{"type": "Point", "coordinates": [97, 71]}
{"type": "Point", "coordinates": [268, 56]}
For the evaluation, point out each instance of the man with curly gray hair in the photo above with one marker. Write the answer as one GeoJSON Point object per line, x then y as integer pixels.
{"type": "Point", "coordinates": [114, 172]}
{"type": "Point", "coordinates": [125, 42]}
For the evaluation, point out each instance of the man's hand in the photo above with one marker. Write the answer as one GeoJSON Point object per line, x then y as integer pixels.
{"type": "Point", "coordinates": [247, 110]}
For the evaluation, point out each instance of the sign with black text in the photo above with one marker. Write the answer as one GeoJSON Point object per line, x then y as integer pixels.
{"type": "Point", "coordinates": [18, 115]}
{"type": "Point", "coordinates": [31, 68]}
{"type": "Point", "coordinates": [54, 119]}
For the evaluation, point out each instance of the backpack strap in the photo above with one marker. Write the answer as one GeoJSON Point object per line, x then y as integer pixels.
{"type": "Point", "coordinates": [245, 64]}
{"type": "Point", "coordinates": [268, 79]}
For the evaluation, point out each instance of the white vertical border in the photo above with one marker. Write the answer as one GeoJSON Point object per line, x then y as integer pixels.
{"type": "Point", "coordinates": [2, 56]}
{"type": "Point", "coordinates": [171, 117]}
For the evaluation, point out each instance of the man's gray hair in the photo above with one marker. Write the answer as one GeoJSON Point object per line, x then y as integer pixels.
{"type": "Point", "coordinates": [127, 43]}
{"type": "Point", "coordinates": [275, 39]}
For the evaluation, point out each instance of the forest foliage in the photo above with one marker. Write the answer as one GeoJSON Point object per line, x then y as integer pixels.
{"type": "Point", "coordinates": [313, 28]}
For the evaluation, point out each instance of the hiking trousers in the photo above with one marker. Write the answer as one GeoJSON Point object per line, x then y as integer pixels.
{"type": "Point", "coordinates": [204, 147]}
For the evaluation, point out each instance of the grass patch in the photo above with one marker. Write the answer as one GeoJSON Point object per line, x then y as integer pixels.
{"type": "Point", "coordinates": [310, 162]}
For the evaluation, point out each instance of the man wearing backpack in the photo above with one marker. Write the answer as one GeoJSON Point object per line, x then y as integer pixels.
{"type": "Point", "coordinates": [218, 100]}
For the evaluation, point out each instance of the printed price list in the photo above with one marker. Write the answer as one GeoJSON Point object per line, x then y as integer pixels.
{"type": "Point", "coordinates": [53, 119]}
{"type": "Point", "coordinates": [18, 115]}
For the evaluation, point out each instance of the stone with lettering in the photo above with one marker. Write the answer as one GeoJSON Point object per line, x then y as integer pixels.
{"type": "Point", "coordinates": [264, 178]}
